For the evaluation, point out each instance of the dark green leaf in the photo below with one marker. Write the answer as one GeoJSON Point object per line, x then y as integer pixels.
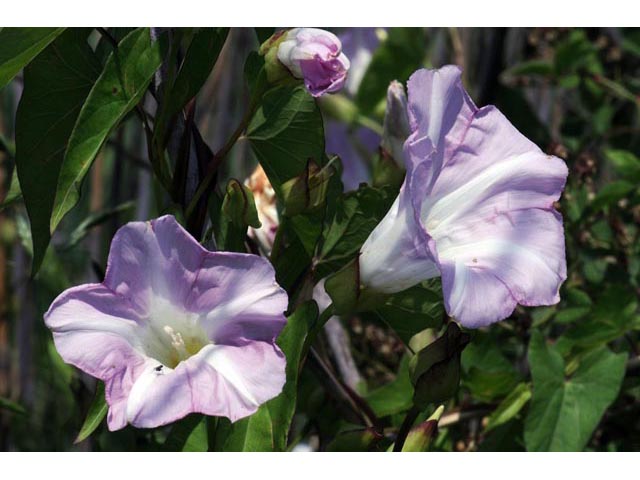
{"type": "Point", "coordinates": [361, 440]}
{"type": "Point", "coordinates": [626, 164]}
{"type": "Point", "coordinates": [121, 85]}
{"type": "Point", "coordinates": [95, 415]}
{"type": "Point", "coordinates": [611, 193]}
{"type": "Point", "coordinates": [614, 314]}
{"type": "Point", "coordinates": [199, 59]}
{"type": "Point", "coordinates": [56, 85]}
{"type": "Point", "coordinates": [189, 435]}
{"type": "Point", "coordinates": [19, 46]}
{"type": "Point", "coordinates": [6, 404]}
{"type": "Point", "coordinates": [356, 215]}
{"type": "Point", "coordinates": [412, 310]}
{"type": "Point", "coordinates": [14, 194]}
{"type": "Point", "coordinates": [285, 133]}
{"type": "Point", "coordinates": [401, 54]}
{"type": "Point", "coordinates": [565, 410]}
{"type": "Point", "coordinates": [509, 407]}
{"type": "Point", "coordinates": [94, 219]}
{"type": "Point", "coordinates": [531, 67]}
{"type": "Point", "coordinates": [394, 397]}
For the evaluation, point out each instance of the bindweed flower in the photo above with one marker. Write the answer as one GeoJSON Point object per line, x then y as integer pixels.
{"type": "Point", "coordinates": [476, 208]}
{"type": "Point", "coordinates": [174, 328]}
{"type": "Point", "coordinates": [315, 56]}
{"type": "Point", "coordinates": [395, 129]}
{"type": "Point", "coordinates": [265, 199]}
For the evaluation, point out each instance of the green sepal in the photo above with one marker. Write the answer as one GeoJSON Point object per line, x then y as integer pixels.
{"type": "Point", "coordinates": [435, 370]}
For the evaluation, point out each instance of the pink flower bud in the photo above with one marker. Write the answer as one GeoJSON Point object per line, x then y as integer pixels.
{"type": "Point", "coordinates": [315, 56]}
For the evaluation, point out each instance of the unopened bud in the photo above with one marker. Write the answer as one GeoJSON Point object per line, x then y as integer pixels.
{"type": "Point", "coordinates": [310, 54]}
{"type": "Point", "coordinates": [396, 123]}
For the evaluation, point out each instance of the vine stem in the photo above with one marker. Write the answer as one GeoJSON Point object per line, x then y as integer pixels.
{"type": "Point", "coordinates": [408, 422]}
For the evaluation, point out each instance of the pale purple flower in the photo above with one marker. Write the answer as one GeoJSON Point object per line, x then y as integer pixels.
{"type": "Point", "coordinates": [175, 328]}
{"type": "Point", "coordinates": [476, 208]}
{"type": "Point", "coordinates": [315, 56]}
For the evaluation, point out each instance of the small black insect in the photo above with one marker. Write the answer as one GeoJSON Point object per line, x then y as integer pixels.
{"type": "Point", "coordinates": [158, 368]}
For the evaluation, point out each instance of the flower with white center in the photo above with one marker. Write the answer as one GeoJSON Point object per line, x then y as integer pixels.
{"type": "Point", "coordinates": [174, 328]}
{"type": "Point", "coordinates": [476, 208]}
{"type": "Point", "coordinates": [315, 56]}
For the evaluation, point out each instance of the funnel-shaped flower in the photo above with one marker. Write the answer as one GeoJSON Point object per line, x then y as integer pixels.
{"type": "Point", "coordinates": [174, 328]}
{"type": "Point", "coordinates": [316, 56]}
{"type": "Point", "coordinates": [476, 207]}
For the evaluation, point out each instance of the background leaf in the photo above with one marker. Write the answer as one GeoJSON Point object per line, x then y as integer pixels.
{"type": "Point", "coordinates": [285, 133]}
{"type": "Point", "coordinates": [121, 85]}
{"type": "Point", "coordinates": [20, 45]}
{"type": "Point", "coordinates": [565, 410]}
{"type": "Point", "coordinates": [56, 85]}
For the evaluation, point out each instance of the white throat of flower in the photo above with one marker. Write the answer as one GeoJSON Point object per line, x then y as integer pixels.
{"type": "Point", "coordinates": [171, 334]}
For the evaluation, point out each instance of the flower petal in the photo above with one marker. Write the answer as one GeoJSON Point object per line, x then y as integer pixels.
{"type": "Point", "coordinates": [153, 259]}
{"type": "Point", "coordinates": [489, 267]}
{"type": "Point", "coordinates": [95, 330]}
{"type": "Point", "coordinates": [219, 380]}
{"type": "Point", "coordinates": [239, 298]}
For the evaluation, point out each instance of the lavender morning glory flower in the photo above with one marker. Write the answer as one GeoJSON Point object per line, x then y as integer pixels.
{"type": "Point", "coordinates": [476, 208]}
{"type": "Point", "coordinates": [316, 56]}
{"type": "Point", "coordinates": [174, 328]}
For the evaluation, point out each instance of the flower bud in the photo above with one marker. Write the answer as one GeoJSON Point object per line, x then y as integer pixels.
{"type": "Point", "coordinates": [265, 199]}
{"type": "Point", "coordinates": [310, 54]}
{"type": "Point", "coordinates": [396, 123]}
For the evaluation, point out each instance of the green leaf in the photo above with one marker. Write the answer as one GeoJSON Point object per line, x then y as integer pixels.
{"type": "Point", "coordinates": [613, 315]}
{"type": "Point", "coordinates": [189, 435]}
{"type": "Point", "coordinates": [509, 407]}
{"type": "Point", "coordinates": [401, 54]}
{"type": "Point", "coordinates": [285, 133]}
{"type": "Point", "coordinates": [6, 404]}
{"type": "Point", "coordinates": [564, 410]}
{"type": "Point", "coordinates": [531, 67]}
{"type": "Point", "coordinates": [360, 440]}
{"type": "Point", "coordinates": [488, 385]}
{"type": "Point", "coordinates": [95, 415]}
{"type": "Point", "coordinates": [611, 193]}
{"type": "Point", "coordinates": [413, 310]}
{"type": "Point", "coordinates": [267, 429]}
{"type": "Point", "coordinates": [56, 85]}
{"type": "Point", "coordinates": [625, 163]}
{"type": "Point", "coordinates": [199, 59]}
{"type": "Point", "coordinates": [14, 194]}
{"type": "Point", "coordinates": [232, 215]}
{"type": "Point", "coordinates": [394, 397]}
{"type": "Point", "coordinates": [19, 46]}
{"type": "Point", "coordinates": [94, 219]}
{"type": "Point", "coordinates": [356, 215]}
{"type": "Point", "coordinates": [121, 85]}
